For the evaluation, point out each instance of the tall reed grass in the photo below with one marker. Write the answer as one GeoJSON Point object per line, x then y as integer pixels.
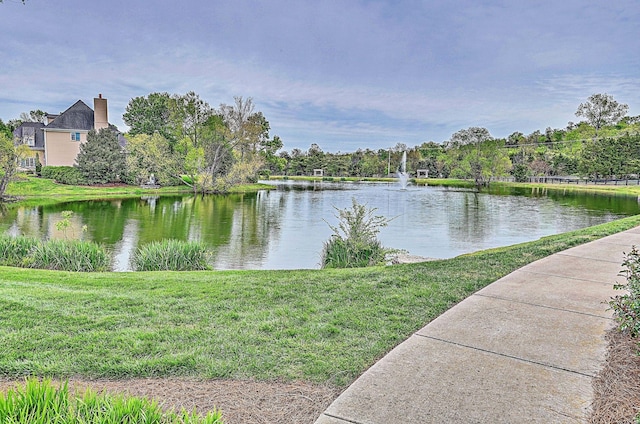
{"type": "Point", "coordinates": [41, 403]}
{"type": "Point", "coordinates": [61, 255]}
{"type": "Point", "coordinates": [339, 253]}
{"type": "Point", "coordinates": [14, 250]}
{"type": "Point", "coordinates": [70, 255]}
{"type": "Point", "coordinates": [171, 255]}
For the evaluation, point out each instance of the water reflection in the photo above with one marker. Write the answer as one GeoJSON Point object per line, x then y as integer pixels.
{"type": "Point", "coordinates": [286, 228]}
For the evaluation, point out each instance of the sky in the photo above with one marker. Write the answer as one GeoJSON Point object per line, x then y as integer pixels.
{"type": "Point", "coordinates": [343, 74]}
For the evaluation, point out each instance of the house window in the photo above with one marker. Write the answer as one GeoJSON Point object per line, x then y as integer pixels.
{"type": "Point", "coordinates": [75, 136]}
{"type": "Point", "coordinates": [28, 163]}
{"type": "Point", "coordinates": [29, 140]}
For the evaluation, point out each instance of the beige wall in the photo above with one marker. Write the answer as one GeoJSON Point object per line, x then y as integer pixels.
{"type": "Point", "coordinates": [100, 118]}
{"type": "Point", "coordinates": [60, 150]}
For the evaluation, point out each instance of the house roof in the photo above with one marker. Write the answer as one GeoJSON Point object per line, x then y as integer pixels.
{"type": "Point", "coordinates": [31, 129]}
{"type": "Point", "coordinates": [78, 117]}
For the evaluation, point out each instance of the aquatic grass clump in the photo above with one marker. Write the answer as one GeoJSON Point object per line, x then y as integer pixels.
{"type": "Point", "coordinates": [355, 240]}
{"type": "Point", "coordinates": [338, 253]}
{"type": "Point", "coordinates": [41, 403]}
{"type": "Point", "coordinates": [69, 255]}
{"type": "Point", "coordinates": [61, 255]}
{"type": "Point", "coordinates": [171, 255]}
{"type": "Point", "coordinates": [14, 250]}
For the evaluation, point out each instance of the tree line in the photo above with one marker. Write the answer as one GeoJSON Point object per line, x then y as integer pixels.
{"type": "Point", "coordinates": [606, 144]}
{"type": "Point", "coordinates": [180, 138]}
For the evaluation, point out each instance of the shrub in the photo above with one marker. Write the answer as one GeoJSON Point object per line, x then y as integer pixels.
{"type": "Point", "coordinates": [171, 255]}
{"type": "Point", "coordinates": [354, 242]}
{"type": "Point", "coordinates": [69, 255]}
{"type": "Point", "coordinates": [38, 166]}
{"type": "Point", "coordinates": [337, 253]}
{"type": "Point", "coordinates": [40, 402]}
{"type": "Point", "coordinates": [14, 250]}
{"type": "Point", "coordinates": [64, 175]}
{"type": "Point", "coordinates": [626, 307]}
{"type": "Point", "coordinates": [101, 159]}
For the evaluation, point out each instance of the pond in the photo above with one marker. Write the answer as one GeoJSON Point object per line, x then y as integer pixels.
{"type": "Point", "coordinates": [285, 228]}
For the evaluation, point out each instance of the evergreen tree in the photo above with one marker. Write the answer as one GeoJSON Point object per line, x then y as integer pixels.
{"type": "Point", "coordinates": [101, 159]}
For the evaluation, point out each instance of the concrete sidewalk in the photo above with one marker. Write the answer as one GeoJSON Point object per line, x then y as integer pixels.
{"type": "Point", "coordinates": [523, 349]}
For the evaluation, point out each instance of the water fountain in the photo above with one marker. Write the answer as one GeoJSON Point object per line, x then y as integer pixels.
{"type": "Point", "coordinates": [403, 176]}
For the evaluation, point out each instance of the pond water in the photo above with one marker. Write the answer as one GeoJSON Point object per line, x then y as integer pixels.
{"type": "Point", "coordinates": [285, 228]}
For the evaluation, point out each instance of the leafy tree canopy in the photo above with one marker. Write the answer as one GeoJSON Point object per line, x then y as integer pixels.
{"type": "Point", "coordinates": [471, 135]}
{"type": "Point", "coordinates": [148, 115]}
{"type": "Point", "coordinates": [34, 116]}
{"type": "Point", "coordinates": [600, 110]}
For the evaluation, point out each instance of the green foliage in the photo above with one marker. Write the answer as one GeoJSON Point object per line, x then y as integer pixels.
{"type": "Point", "coordinates": [171, 255]}
{"type": "Point", "coordinates": [101, 159]}
{"type": "Point", "coordinates": [62, 255]}
{"type": "Point", "coordinates": [150, 115]}
{"type": "Point", "coordinates": [240, 173]}
{"type": "Point", "coordinates": [69, 255]}
{"type": "Point", "coordinates": [609, 157]}
{"type": "Point", "coordinates": [14, 250]}
{"type": "Point", "coordinates": [64, 224]}
{"type": "Point", "coordinates": [8, 161]}
{"type": "Point", "coordinates": [6, 130]}
{"type": "Point", "coordinates": [338, 253]}
{"type": "Point", "coordinates": [520, 172]}
{"type": "Point", "coordinates": [626, 307]}
{"type": "Point", "coordinates": [600, 110]}
{"type": "Point", "coordinates": [149, 155]}
{"type": "Point", "coordinates": [38, 165]}
{"type": "Point", "coordinates": [64, 175]}
{"type": "Point", "coordinates": [39, 402]}
{"type": "Point", "coordinates": [354, 242]}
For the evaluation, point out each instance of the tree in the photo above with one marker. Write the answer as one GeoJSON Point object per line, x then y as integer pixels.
{"type": "Point", "coordinates": [7, 162]}
{"type": "Point", "coordinates": [6, 129]}
{"type": "Point", "coordinates": [189, 113]}
{"type": "Point", "coordinates": [471, 135]}
{"type": "Point", "coordinates": [10, 155]}
{"type": "Point", "coordinates": [34, 116]}
{"type": "Point", "coordinates": [101, 159]}
{"type": "Point", "coordinates": [148, 115]}
{"type": "Point", "coordinates": [243, 126]}
{"type": "Point", "coordinates": [247, 133]}
{"type": "Point", "coordinates": [473, 153]}
{"type": "Point", "coordinates": [149, 155]}
{"type": "Point", "coordinates": [273, 162]}
{"type": "Point", "coordinates": [601, 110]}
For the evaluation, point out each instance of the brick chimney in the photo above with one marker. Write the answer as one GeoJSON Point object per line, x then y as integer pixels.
{"type": "Point", "coordinates": [100, 118]}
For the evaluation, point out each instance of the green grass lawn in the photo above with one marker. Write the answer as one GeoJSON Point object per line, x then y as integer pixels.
{"type": "Point", "coordinates": [323, 326]}
{"type": "Point", "coordinates": [42, 190]}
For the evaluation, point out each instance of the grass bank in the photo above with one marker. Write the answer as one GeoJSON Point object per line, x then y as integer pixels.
{"type": "Point", "coordinates": [29, 189]}
{"type": "Point", "coordinates": [314, 325]}
{"type": "Point", "coordinates": [613, 190]}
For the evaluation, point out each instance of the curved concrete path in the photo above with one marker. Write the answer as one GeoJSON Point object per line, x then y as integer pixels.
{"type": "Point", "coordinates": [523, 349]}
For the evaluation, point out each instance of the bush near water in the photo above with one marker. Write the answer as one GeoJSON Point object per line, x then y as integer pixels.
{"type": "Point", "coordinates": [59, 255]}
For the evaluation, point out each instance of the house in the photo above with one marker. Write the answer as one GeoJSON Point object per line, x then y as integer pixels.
{"type": "Point", "coordinates": [30, 134]}
{"type": "Point", "coordinates": [57, 142]}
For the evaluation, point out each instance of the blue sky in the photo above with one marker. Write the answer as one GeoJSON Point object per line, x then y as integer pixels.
{"type": "Point", "coordinates": [339, 73]}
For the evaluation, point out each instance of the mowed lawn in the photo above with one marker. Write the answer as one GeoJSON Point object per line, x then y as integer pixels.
{"type": "Point", "coordinates": [323, 326]}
